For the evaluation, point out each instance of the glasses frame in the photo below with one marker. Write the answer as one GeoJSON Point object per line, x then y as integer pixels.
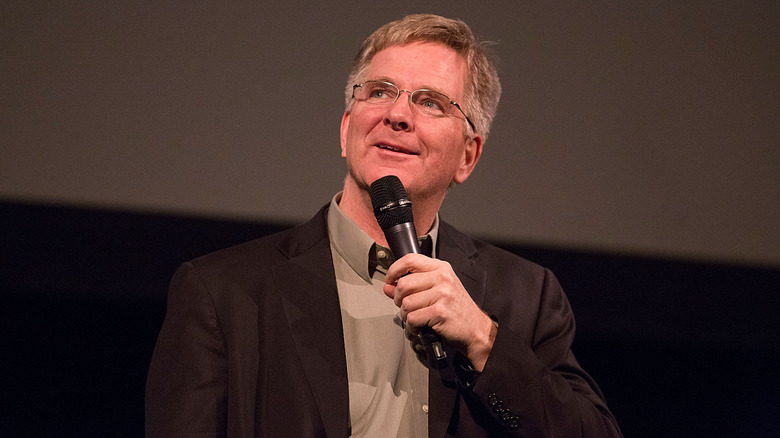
{"type": "Point", "coordinates": [411, 93]}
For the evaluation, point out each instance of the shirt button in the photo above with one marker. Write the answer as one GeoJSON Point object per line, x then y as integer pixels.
{"type": "Point", "coordinates": [381, 254]}
{"type": "Point", "coordinates": [425, 408]}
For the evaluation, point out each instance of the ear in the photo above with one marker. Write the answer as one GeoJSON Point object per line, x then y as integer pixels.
{"type": "Point", "coordinates": [343, 135]}
{"type": "Point", "coordinates": [471, 155]}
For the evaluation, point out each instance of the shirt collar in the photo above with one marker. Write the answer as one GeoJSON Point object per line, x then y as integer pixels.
{"type": "Point", "coordinates": [356, 247]}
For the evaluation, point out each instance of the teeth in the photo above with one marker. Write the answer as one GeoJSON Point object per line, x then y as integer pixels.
{"type": "Point", "coordinates": [384, 146]}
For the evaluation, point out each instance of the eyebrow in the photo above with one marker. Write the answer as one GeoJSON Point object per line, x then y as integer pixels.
{"type": "Point", "coordinates": [424, 87]}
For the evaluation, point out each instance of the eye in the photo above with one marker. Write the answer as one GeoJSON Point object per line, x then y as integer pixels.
{"type": "Point", "coordinates": [380, 91]}
{"type": "Point", "coordinates": [431, 101]}
{"type": "Point", "coordinates": [432, 104]}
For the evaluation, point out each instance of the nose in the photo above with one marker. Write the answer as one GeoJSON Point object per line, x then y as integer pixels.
{"type": "Point", "coordinates": [399, 114]}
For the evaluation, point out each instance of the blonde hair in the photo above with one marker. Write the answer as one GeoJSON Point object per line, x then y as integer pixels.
{"type": "Point", "coordinates": [483, 88]}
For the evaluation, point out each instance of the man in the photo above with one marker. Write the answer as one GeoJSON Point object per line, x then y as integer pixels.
{"type": "Point", "coordinates": [304, 333]}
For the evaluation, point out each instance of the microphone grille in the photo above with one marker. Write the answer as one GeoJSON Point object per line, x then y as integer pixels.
{"type": "Point", "coordinates": [390, 201]}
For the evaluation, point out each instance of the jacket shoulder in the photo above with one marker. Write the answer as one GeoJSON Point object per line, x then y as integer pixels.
{"type": "Point", "coordinates": [487, 254]}
{"type": "Point", "coordinates": [267, 250]}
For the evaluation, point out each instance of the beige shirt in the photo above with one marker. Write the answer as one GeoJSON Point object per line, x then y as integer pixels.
{"type": "Point", "coordinates": [388, 386]}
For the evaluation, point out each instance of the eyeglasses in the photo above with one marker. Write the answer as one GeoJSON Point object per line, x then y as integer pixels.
{"type": "Point", "coordinates": [427, 102]}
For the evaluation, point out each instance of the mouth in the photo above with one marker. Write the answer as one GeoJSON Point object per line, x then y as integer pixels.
{"type": "Point", "coordinates": [395, 149]}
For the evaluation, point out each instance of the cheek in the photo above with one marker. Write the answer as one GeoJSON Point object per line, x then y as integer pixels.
{"type": "Point", "coordinates": [353, 139]}
{"type": "Point", "coordinates": [364, 119]}
{"type": "Point", "coordinates": [447, 146]}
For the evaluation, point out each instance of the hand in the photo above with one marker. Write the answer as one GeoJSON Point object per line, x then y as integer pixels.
{"type": "Point", "coordinates": [430, 294]}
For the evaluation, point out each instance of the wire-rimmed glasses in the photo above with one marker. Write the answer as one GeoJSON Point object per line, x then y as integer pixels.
{"type": "Point", "coordinates": [427, 102]}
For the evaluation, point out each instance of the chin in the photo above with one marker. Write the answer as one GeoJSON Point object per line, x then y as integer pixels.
{"type": "Point", "coordinates": [384, 171]}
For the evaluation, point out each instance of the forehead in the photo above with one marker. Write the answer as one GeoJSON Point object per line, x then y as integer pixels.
{"type": "Point", "coordinates": [421, 65]}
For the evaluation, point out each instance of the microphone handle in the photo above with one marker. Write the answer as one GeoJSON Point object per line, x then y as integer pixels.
{"type": "Point", "coordinates": [402, 239]}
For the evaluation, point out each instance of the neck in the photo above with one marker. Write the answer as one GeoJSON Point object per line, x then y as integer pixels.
{"type": "Point", "coordinates": [356, 204]}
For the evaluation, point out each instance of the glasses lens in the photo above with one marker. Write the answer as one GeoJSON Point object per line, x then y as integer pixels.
{"type": "Point", "coordinates": [430, 102]}
{"type": "Point", "coordinates": [377, 92]}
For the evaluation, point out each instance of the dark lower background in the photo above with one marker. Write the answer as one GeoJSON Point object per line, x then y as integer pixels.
{"type": "Point", "coordinates": [680, 348]}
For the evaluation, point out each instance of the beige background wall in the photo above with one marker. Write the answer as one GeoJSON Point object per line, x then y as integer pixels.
{"type": "Point", "coordinates": [640, 127]}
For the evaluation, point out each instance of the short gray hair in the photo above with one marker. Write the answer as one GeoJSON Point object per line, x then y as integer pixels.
{"type": "Point", "coordinates": [483, 89]}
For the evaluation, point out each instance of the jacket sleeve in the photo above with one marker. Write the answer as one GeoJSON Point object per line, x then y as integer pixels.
{"type": "Point", "coordinates": [531, 385]}
{"type": "Point", "coordinates": [186, 389]}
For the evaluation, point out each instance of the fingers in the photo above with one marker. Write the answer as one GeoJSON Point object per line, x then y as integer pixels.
{"type": "Point", "coordinates": [418, 311]}
{"type": "Point", "coordinates": [415, 341]}
{"type": "Point", "coordinates": [421, 287]}
{"type": "Point", "coordinates": [408, 288]}
{"type": "Point", "coordinates": [410, 263]}
{"type": "Point", "coordinates": [416, 273]}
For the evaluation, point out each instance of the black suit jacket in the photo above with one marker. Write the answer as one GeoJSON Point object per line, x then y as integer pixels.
{"type": "Point", "coordinates": [252, 346]}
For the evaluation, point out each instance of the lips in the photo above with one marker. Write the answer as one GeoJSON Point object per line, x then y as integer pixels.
{"type": "Point", "coordinates": [395, 149]}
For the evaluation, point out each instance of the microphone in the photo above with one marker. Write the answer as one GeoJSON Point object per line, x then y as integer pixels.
{"type": "Point", "coordinates": [393, 211]}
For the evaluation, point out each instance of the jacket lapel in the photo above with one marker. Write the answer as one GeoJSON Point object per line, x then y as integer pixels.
{"type": "Point", "coordinates": [443, 389]}
{"type": "Point", "coordinates": [459, 250]}
{"type": "Point", "coordinates": [307, 286]}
